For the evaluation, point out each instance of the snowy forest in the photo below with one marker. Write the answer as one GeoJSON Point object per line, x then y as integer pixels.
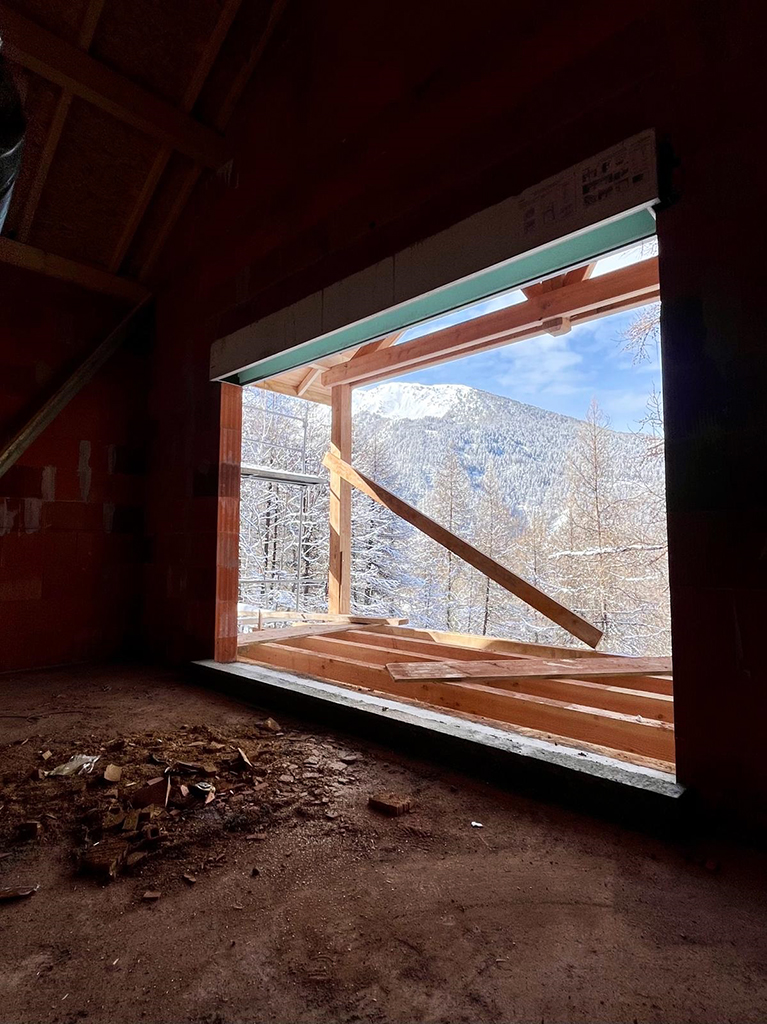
{"type": "Point", "coordinates": [576, 508]}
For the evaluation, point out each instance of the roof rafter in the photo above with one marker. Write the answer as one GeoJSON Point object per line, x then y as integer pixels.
{"type": "Point", "coordinates": [68, 66]}
{"type": "Point", "coordinates": [84, 40]}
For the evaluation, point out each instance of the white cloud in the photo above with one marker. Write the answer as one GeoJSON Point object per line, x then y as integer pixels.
{"type": "Point", "coordinates": [543, 366]}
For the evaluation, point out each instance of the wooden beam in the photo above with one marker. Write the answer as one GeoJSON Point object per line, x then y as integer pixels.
{"type": "Point", "coordinates": [514, 323]}
{"type": "Point", "coordinates": [277, 636]}
{"type": "Point", "coordinates": [84, 40]}
{"type": "Point", "coordinates": [376, 346]}
{"type": "Point", "coordinates": [29, 258]}
{"type": "Point", "coordinates": [222, 119]}
{"type": "Point", "coordinates": [405, 644]}
{"type": "Point", "coordinates": [265, 615]}
{"type": "Point", "coordinates": [646, 737]}
{"type": "Point", "coordinates": [85, 372]}
{"type": "Point", "coordinates": [44, 53]}
{"type": "Point", "coordinates": [584, 668]}
{"type": "Point", "coordinates": [308, 379]}
{"type": "Point", "coordinates": [496, 645]}
{"type": "Point", "coordinates": [193, 89]}
{"type": "Point", "coordinates": [340, 510]}
{"type": "Point", "coordinates": [553, 610]}
{"type": "Point", "coordinates": [338, 646]}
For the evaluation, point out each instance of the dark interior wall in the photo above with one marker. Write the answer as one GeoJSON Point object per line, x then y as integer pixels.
{"type": "Point", "coordinates": [71, 510]}
{"type": "Point", "coordinates": [367, 128]}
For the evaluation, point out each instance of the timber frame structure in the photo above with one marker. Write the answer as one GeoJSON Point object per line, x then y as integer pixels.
{"type": "Point", "coordinates": [623, 707]}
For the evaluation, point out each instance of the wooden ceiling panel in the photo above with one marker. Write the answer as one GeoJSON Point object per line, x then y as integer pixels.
{"type": "Point", "coordinates": [156, 43]}
{"type": "Point", "coordinates": [62, 17]}
{"type": "Point", "coordinates": [98, 171]}
{"type": "Point", "coordinates": [39, 99]}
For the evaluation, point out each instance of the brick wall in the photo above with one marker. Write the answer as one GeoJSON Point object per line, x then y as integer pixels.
{"type": "Point", "coordinates": [71, 510]}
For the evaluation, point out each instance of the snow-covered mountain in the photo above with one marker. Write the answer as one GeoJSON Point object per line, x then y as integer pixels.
{"type": "Point", "coordinates": [413, 428]}
{"type": "Point", "coordinates": [397, 401]}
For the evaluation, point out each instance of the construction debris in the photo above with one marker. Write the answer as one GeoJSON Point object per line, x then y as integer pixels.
{"type": "Point", "coordinates": [46, 754]}
{"type": "Point", "coordinates": [155, 792]}
{"type": "Point", "coordinates": [29, 830]}
{"type": "Point", "coordinates": [390, 803]}
{"type": "Point", "coordinates": [271, 725]}
{"type": "Point", "coordinates": [105, 859]}
{"type": "Point", "coordinates": [151, 895]}
{"type": "Point", "coordinates": [79, 764]}
{"type": "Point", "coordinates": [18, 892]}
{"type": "Point", "coordinates": [112, 773]}
{"type": "Point", "coordinates": [242, 762]}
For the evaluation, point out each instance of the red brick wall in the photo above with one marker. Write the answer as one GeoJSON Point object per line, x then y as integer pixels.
{"type": "Point", "coordinates": [71, 510]}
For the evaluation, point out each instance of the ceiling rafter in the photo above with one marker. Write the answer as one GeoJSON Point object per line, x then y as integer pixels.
{"type": "Point", "coordinates": [84, 40]}
{"type": "Point", "coordinates": [193, 90]}
{"type": "Point", "coordinates": [28, 257]}
{"type": "Point", "coordinates": [69, 67]}
{"type": "Point", "coordinates": [222, 119]}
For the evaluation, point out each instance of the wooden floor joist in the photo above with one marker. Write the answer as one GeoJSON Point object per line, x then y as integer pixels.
{"type": "Point", "coordinates": [534, 687]}
{"type": "Point", "coordinates": [647, 737]}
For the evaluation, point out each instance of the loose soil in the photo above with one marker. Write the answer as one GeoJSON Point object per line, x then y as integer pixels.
{"type": "Point", "coordinates": [304, 904]}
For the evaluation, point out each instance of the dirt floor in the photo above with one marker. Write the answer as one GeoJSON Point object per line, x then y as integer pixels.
{"type": "Point", "coordinates": [286, 898]}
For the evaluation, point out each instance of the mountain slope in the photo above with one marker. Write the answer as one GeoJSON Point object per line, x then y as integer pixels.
{"type": "Point", "coordinates": [413, 427]}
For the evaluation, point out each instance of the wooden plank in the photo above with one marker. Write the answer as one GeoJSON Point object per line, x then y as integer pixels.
{"type": "Point", "coordinates": [340, 510]}
{"type": "Point", "coordinates": [646, 737]}
{"type": "Point", "coordinates": [340, 647]}
{"type": "Point", "coordinates": [85, 372]}
{"type": "Point", "coordinates": [84, 40]}
{"type": "Point", "coordinates": [264, 615]}
{"type": "Point", "coordinates": [584, 668]}
{"type": "Point", "coordinates": [500, 328]}
{"type": "Point", "coordinates": [497, 645]}
{"type": "Point", "coordinates": [553, 610]}
{"type": "Point", "coordinates": [193, 89]}
{"type": "Point", "coordinates": [39, 50]}
{"type": "Point", "coordinates": [647, 704]}
{"type": "Point", "coordinates": [276, 636]}
{"type": "Point", "coordinates": [30, 258]}
{"type": "Point", "coordinates": [406, 644]}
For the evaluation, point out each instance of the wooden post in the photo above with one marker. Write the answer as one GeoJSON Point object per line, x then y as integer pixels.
{"type": "Point", "coordinates": [339, 574]}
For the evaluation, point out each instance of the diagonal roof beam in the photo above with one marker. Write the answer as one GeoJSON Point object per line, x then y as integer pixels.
{"type": "Point", "coordinates": [84, 40]}
{"type": "Point", "coordinates": [193, 90]}
{"type": "Point", "coordinates": [631, 286]}
{"type": "Point", "coordinates": [222, 118]}
{"type": "Point", "coordinates": [44, 53]}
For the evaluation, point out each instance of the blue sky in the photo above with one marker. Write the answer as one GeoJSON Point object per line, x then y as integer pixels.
{"type": "Point", "coordinates": [558, 373]}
